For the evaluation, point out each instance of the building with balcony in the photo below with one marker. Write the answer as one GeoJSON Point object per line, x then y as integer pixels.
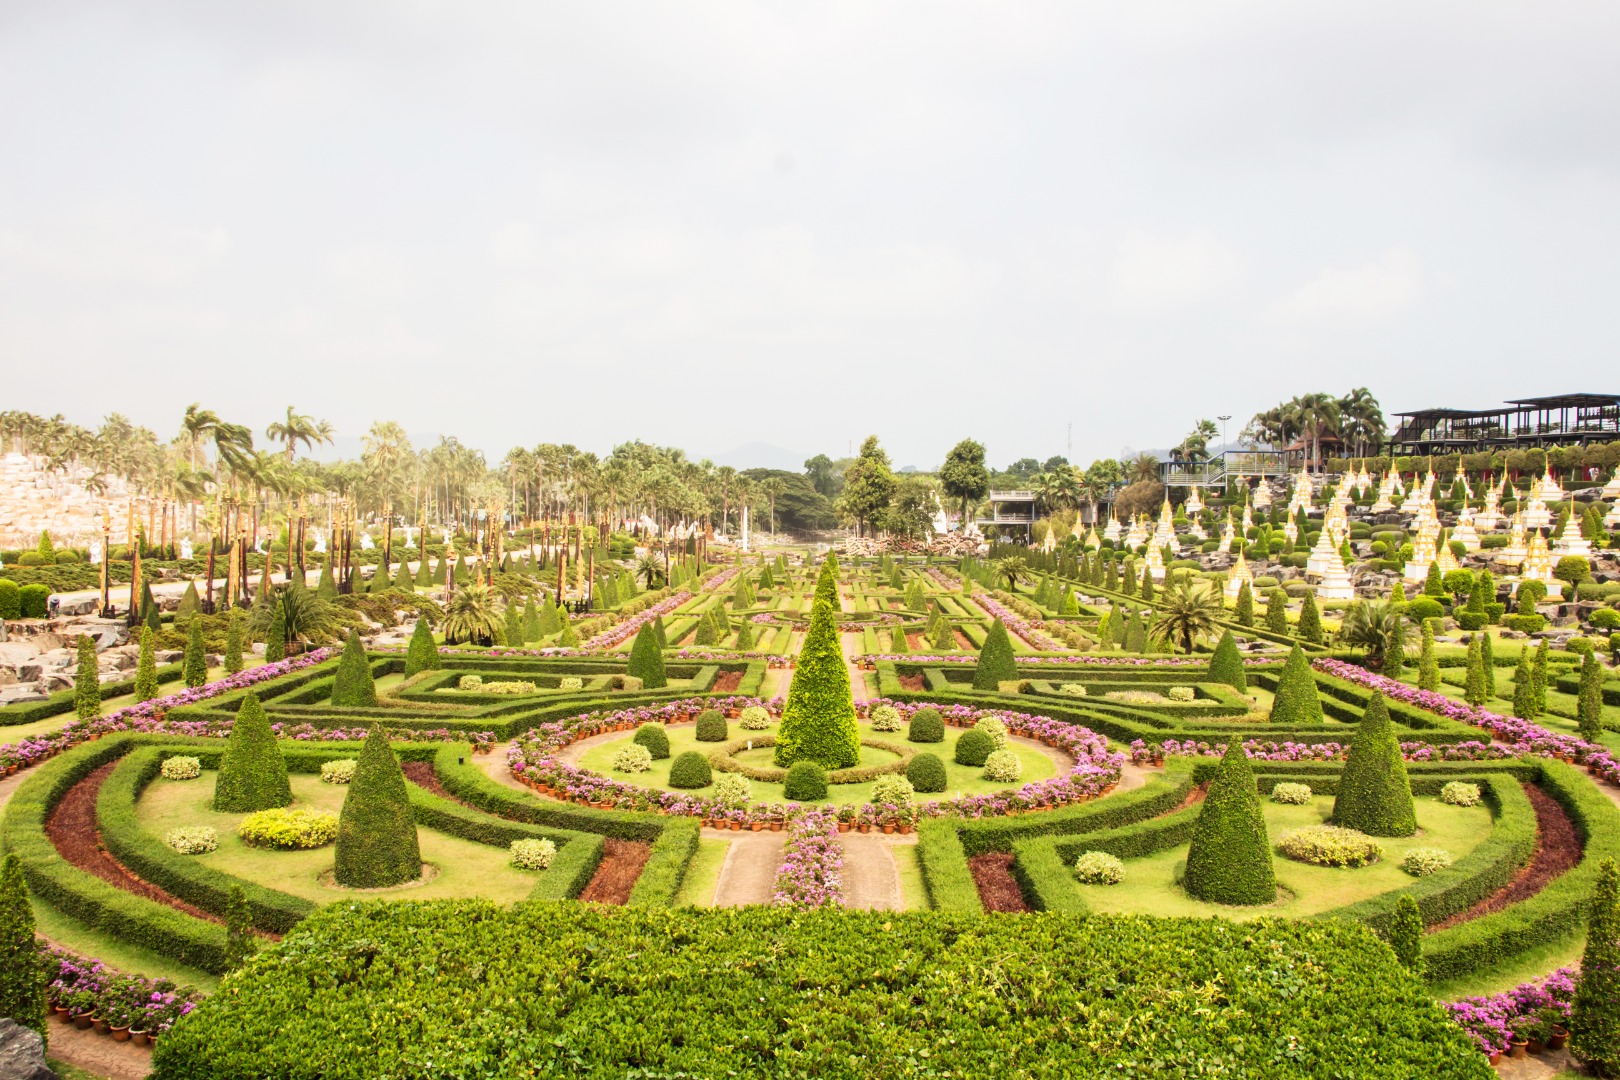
{"type": "Point", "coordinates": [1009, 510]}
{"type": "Point", "coordinates": [1560, 420]}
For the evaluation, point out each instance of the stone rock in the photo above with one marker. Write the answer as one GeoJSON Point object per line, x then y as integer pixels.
{"type": "Point", "coordinates": [13, 695]}
{"type": "Point", "coordinates": [29, 672]}
{"type": "Point", "coordinates": [7, 677]}
{"type": "Point", "coordinates": [59, 658]}
{"type": "Point", "coordinates": [22, 1053]}
{"type": "Point", "coordinates": [169, 656]}
{"type": "Point", "coordinates": [48, 641]}
{"type": "Point", "coordinates": [13, 653]}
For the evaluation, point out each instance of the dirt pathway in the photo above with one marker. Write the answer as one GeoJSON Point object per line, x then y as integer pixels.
{"type": "Point", "coordinates": [748, 876]}
{"type": "Point", "coordinates": [1135, 776]}
{"type": "Point", "coordinates": [871, 878]}
{"type": "Point", "coordinates": [495, 767]}
{"type": "Point", "coordinates": [99, 1054]}
{"type": "Point", "coordinates": [850, 644]}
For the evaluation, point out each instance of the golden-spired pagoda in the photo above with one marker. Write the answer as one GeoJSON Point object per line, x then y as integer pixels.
{"type": "Point", "coordinates": [1301, 498]}
{"type": "Point", "coordinates": [1386, 491]}
{"type": "Point", "coordinates": [1164, 533]}
{"type": "Point", "coordinates": [1237, 575]}
{"type": "Point", "coordinates": [1155, 562]}
{"type": "Point", "coordinates": [1491, 516]}
{"type": "Point", "coordinates": [1570, 540]}
{"type": "Point", "coordinates": [1229, 533]}
{"type": "Point", "coordinates": [1262, 494]}
{"type": "Point", "coordinates": [1423, 554]}
{"type": "Point", "coordinates": [1464, 533]}
{"type": "Point", "coordinates": [1549, 489]}
{"type": "Point", "coordinates": [1194, 504]}
{"type": "Point", "coordinates": [1538, 565]}
{"type": "Point", "coordinates": [1363, 481]}
{"type": "Point", "coordinates": [1049, 545]}
{"type": "Point", "coordinates": [1536, 514]}
{"type": "Point", "coordinates": [1444, 559]}
{"type": "Point", "coordinates": [1516, 550]}
{"type": "Point", "coordinates": [1248, 519]}
{"type": "Point", "coordinates": [1111, 530]}
{"type": "Point", "coordinates": [1321, 555]}
{"type": "Point", "coordinates": [1091, 540]}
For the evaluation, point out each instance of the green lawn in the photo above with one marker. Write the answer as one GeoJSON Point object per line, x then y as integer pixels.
{"type": "Point", "coordinates": [959, 779]}
{"type": "Point", "coordinates": [108, 705]}
{"type": "Point", "coordinates": [703, 874]}
{"type": "Point", "coordinates": [1563, 952]}
{"type": "Point", "coordinates": [913, 891]}
{"type": "Point", "coordinates": [464, 868]}
{"type": "Point", "coordinates": [73, 935]}
{"type": "Point", "coordinates": [1150, 886]}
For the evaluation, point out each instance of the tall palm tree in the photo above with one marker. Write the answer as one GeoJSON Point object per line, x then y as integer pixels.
{"type": "Point", "coordinates": [296, 428]}
{"type": "Point", "coordinates": [1144, 466]}
{"type": "Point", "coordinates": [1318, 416]}
{"type": "Point", "coordinates": [1188, 610]}
{"type": "Point", "coordinates": [773, 487]}
{"type": "Point", "coordinates": [1362, 420]}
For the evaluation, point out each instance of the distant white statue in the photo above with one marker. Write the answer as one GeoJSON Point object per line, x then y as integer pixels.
{"type": "Point", "coordinates": [365, 542]}
{"type": "Point", "coordinates": [745, 528]}
{"type": "Point", "coordinates": [185, 548]}
{"type": "Point", "coordinates": [95, 553]}
{"type": "Point", "coordinates": [320, 543]}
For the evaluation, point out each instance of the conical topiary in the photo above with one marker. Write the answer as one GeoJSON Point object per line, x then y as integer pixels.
{"type": "Point", "coordinates": [1226, 665]}
{"type": "Point", "coordinates": [146, 682]}
{"type": "Point", "coordinates": [818, 721]}
{"type": "Point", "coordinates": [353, 686]}
{"type": "Point", "coordinates": [647, 659]}
{"type": "Point", "coordinates": [86, 681]}
{"type": "Point", "coordinates": [252, 773]}
{"type": "Point", "coordinates": [326, 586]}
{"type": "Point", "coordinates": [512, 626]}
{"type": "Point", "coordinates": [531, 622]}
{"type": "Point", "coordinates": [275, 637]}
{"type": "Point", "coordinates": [22, 977]}
{"type": "Point", "coordinates": [1474, 684]}
{"type": "Point", "coordinates": [1310, 620]}
{"type": "Point", "coordinates": [196, 663]}
{"type": "Point", "coordinates": [1229, 861]}
{"type": "Point", "coordinates": [1296, 701]}
{"type": "Point", "coordinates": [233, 644]}
{"type": "Point", "coordinates": [376, 841]}
{"type": "Point", "coordinates": [996, 664]}
{"type": "Point", "coordinates": [1428, 662]}
{"type": "Point", "coordinates": [1277, 611]}
{"type": "Point", "coordinates": [1594, 1019]}
{"type": "Point", "coordinates": [1244, 611]}
{"type": "Point", "coordinates": [423, 652]}
{"type": "Point", "coordinates": [1375, 796]}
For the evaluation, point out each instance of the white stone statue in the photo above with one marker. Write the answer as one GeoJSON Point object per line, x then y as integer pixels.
{"type": "Point", "coordinates": [95, 553]}
{"type": "Point", "coordinates": [365, 542]}
{"type": "Point", "coordinates": [320, 543]}
{"type": "Point", "coordinates": [185, 548]}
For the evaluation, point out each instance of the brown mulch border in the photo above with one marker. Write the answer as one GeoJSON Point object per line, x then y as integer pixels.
{"type": "Point", "coordinates": [727, 682]}
{"type": "Point", "coordinates": [616, 875]}
{"type": "Point", "coordinates": [998, 889]}
{"type": "Point", "coordinates": [1558, 849]}
{"type": "Point", "coordinates": [422, 775]}
{"type": "Point", "coordinates": [914, 683]}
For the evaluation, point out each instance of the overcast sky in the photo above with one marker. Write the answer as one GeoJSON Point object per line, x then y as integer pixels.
{"type": "Point", "coordinates": [709, 224]}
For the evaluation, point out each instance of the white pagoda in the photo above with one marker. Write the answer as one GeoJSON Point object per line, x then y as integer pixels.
{"type": "Point", "coordinates": [1262, 495]}
{"type": "Point", "coordinates": [1137, 534]}
{"type": "Point", "coordinates": [1164, 533]}
{"type": "Point", "coordinates": [1155, 562]}
{"type": "Point", "coordinates": [1336, 584]}
{"type": "Point", "coordinates": [1111, 530]}
{"type": "Point", "coordinates": [1323, 553]}
{"type": "Point", "coordinates": [1464, 533]}
{"type": "Point", "coordinates": [1236, 576]}
{"type": "Point", "coordinates": [1611, 490]}
{"type": "Point", "coordinates": [1194, 504]}
{"type": "Point", "coordinates": [1516, 550]}
{"type": "Point", "coordinates": [1571, 542]}
{"type": "Point", "coordinates": [1423, 556]}
{"type": "Point", "coordinates": [1538, 566]}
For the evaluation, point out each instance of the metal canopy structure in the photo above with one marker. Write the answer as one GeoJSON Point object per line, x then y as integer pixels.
{"type": "Point", "coordinates": [1560, 420]}
{"type": "Point", "coordinates": [1223, 469]}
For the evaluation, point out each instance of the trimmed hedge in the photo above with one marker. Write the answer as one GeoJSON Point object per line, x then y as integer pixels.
{"type": "Point", "coordinates": [1298, 1000]}
{"type": "Point", "coordinates": [1374, 794]}
{"type": "Point", "coordinates": [926, 773]}
{"type": "Point", "coordinates": [996, 664]}
{"type": "Point", "coordinates": [353, 686]}
{"type": "Point", "coordinates": [28, 712]}
{"type": "Point", "coordinates": [690, 771]}
{"type": "Point", "coordinates": [818, 721]}
{"type": "Point", "coordinates": [654, 738]}
{"type": "Point", "coordinates": [806, 782]}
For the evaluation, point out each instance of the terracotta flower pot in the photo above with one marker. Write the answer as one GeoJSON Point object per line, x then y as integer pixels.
{"type": "Point", "coordinates": [736, 826]}
{"type": "Point", "coordinates": [62, 1012]}
{"type": "Point", "coordinates": [1517, 1048]}
{"type": "Point", "coordinates": [905, 830]}
{"type": "Point", "coordinates": [82, 1021]}
{"type": "Point", "coordinates": [888, 827]}
{"type": "Point", "coordinates": [1559, 1037]}
{"type": "Point", "coordinates": [120, 1034]}
{"type": "Point", "coordinates": [843, 826]}
{"type": "Point", "coordinates": [776, 826]}
{"type": "Point", "coordinates": [138, 1038]}
{"type": "Point", "coordinates": [865, 827]}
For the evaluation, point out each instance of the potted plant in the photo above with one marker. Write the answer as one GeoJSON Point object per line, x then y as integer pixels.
{"type": "Point", "coordinates": [1519, 1029]}
{"type": "Point", "coordinates": [1557, 1026]}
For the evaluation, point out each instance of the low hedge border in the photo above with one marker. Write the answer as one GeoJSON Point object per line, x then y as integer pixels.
{"type": "Point", "coordinates": [723, 760]}
{"type": "Point", "coordinates": [665, 870]}
{"type": "Point", "coordinates": [1044, 867]}
{"type": "Point", "coordinates": [28, 712]}
{"type": "Point", "coordinates": [467, 782]}
{"type": "Point", "coordinates": [571, 870]}
{"type": "Point", "coordinates": [944, 866]}
{"type": "Point", "coordinates": [1160, 795]}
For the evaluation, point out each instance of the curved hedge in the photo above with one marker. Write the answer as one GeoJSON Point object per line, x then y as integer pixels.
{"type": "Point", "coordinates": [581, 993]}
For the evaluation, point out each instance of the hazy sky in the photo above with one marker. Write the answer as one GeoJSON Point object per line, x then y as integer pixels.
{"type": "Point", "coordinates": [713, 223]}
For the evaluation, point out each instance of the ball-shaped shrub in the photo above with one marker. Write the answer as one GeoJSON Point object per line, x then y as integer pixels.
{"type": "Point", "coordinates": [1073, 689]}
{"type": "Point", "coordinates": [1003, 767]}
{"type": "Point", "coordinates": [926, 773]}
{"type": "Point", "coordinates": [181, 768]}
{"type": "Point", "coordinates": [974, 746]}
{"type": "Point", "coordinates": [1605, 619]}
{"type": "Point", "coordinates": [654, 738]}
{"type": "Point", "coordinates": [192, 839]}
{"type": "Point", "coordinates": [806, 782]}
{"type": "Point", "coordinates": [754, 718]}
{"type": "Point", "coordinates": [690, 771]}
{"type": "Point", "coordinates": [994, 728]}
{"type": "Point", "coordinates": [891, 789]}
{"type": "Point", "coordinates": [532, 854]}
{"type": "Point", "coordinates": [1424, 607]}
{"type": "Point", "coordinates": [1291, 794]}
{"type": "Point", "coordinates": [711, 726]}
{"type": "Point", "coordinates": [1460, 793]}
{"type": "Point", "coordinates": [288, 828]}
{"type": "Point", "coordinates": [337, 772]}
{"type": "Point", "coordinates": [733, 790]}
{"type": "Point", "coordinates": [885, 718]}
{"type": "Point", "coordinates": [634, 758]}
{"type": "Point", "coordinates": [1423, 861]}
{"type": "Point", "coordinates": [1329, 845]}
{"type": "Point", "coordinates": [926, 726]}
{"type": "Point", "coordinates": [1099, 868]}
{"type": "Point", "coordinates": [1182, 693]}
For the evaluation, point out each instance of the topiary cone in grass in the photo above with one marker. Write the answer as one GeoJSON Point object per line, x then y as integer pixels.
{"type": "Point", "coordinates": [22, 978]}
{"type": "Point", "coordinates": [376, 841]}
{"type": "Point", "coordinates": [1229, 861]}
{"type": "Point", "coordinates": [996, 664]}
{"type": "Point", "coordinates": [1226, 665]}
{"type": "Point", "coordinates": [423, 652]}
{"type": "Point", "coordinates": [252, 773]}
{"type": "Point", "coordinates": [353, 687]}
{"type": "Point", "coordinates": [1375, 796]}
{"type": "Point", "coordinates": [196, 664]}
{"type": "Point", "coordinates": [1296, 701]}
{"type": "Point", "coordinates": [818, 721]}
{"type": "Point", "coordinates": [87, 681]}
{"type": "Point", "coordinates": [647, 659]}
{"type": "Point", "coordinates": [1594, 1019]}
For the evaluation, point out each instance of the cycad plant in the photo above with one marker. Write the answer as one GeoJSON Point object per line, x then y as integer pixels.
{"type": "Point", "coordinates": [472, 617]}
{"type": "Point", "coordinates": [1375, 626]}
{"type": "Point", "coordinates": [1188, 611]}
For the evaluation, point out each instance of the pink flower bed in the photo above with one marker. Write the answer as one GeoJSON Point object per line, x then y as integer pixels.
{"type": "Point", "coordinates": [1015, 622]}
{"type": "Point", "coordinates": [1486, 1019]}
{"type": "Point", "coordinates": [811, 874]}
{"type": "Point", "coordinates": [627, 629]}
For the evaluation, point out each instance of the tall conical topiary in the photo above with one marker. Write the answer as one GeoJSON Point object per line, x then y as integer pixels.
{"type": "Point", "coordinates": [275, 637]}
{"type": "Point", "coordinates": [402, 578]}
{"type": "Point", "coordinates": [1277, 611]}
{"type": "Point", "coordinates": [996, 664]}
{"type": "Point", "coordinates": [549, 622]}
{"type": "Point", "coordinates": [376, 841]}
{"type": "Point", "coordinates": [1428, 662]}
{"type": "Point", "coordinates": [1406, 935]}
{"type": "Point", "coordinates": [1589, 706]}
{"type": "Point", "coordinates": [818, 721]}
{"type": "Point", "coordinates": [353, 686]}
{"type": "Point", "coordinates": [326, 586]}
{"type": "Point", "coordinates": [1226, 665]}
{"type": "Point", "coordinates": [827, 583]}
{"type": "Point", "coordinates": [1229, 861]}
{"type": "Point", "coordinates": [1487, 663]}
{"type": "Point", "coordinates": [190, 604]}
{"type": "Point", "coordinates": [423, 653]}
{"type": "Point", "coordinates": [512, 626]}
{"type": "Point", "coordinates": [1524, 688]}
{"type": "Point", "coordinates": [1244, 611]}
{"type": "Point", "coordinates": [233, 643]}
{"type": "Point", "coordinates": [196, 663]}
{"type": "Point", "coordinates": [1375, 796]}
{"type": "Point", "coordinates": [1538, 676]}
{"type": "Point", "coordinates": [146, 682]}
{"type": "Point", "coordinates": [252, 773]}
{"type": "Point", "coordinates": [647, 659]}
{"type": "Point", "coordinates": [22, 978]}
{"type": "Point", "coordinates": [1296, 701]}
{"type": "Point", "coordinates": [1474, 687]}
{"type": "Point", "coordinates": [1310, 620]}
{"type": "Point", "coordinates": [1594, 1018]}
{"type": "Point", "coordinates": [531, 622]}
{"type": "Point", "coordinates": [86, 681]}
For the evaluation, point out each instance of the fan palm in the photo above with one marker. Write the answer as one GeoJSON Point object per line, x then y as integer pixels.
{"type": "Point", "coordinates": [306, 616]}
{"type": "Point", "coordinates": [1373, 625]}
{"type": "Point", "coordinates": [650, 569]}
{"type": "Point", "coordinates": [1012, 568]}
{"type": "Point", "coordinates": [471, 617]}
{"type": "Point", "coordinates": [1188, 610]}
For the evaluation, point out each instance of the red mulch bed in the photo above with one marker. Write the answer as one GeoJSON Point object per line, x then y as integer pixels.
{"type": "Point", "coordinates": [965, 643]}
{"type": "Point", "coordinates": [727, 682]}
{"type": "Point", "coordinates": [1558, 848]}
{"type": "Point", "coordinates": [616, 876]}
{"type": "Point", "coordinates": [914, 683]}
{"type": "Point", "coordinates": [72, 829]}
{"type": "Point", "coordinates": [422, 775]}
{"type": "Point", "coordinates": [998, 889]}
{"type": "Point", "coordinates": [1194, 797]}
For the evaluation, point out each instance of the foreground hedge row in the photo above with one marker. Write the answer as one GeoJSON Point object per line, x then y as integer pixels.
{"type": "Point", "coordinates": [464, 989]}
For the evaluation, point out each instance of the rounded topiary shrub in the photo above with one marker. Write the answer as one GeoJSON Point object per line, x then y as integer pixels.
{"type": "Point", "coordinates": [993, 727]}
{"type": "Point", "coordinates": [711, 726]}
{"type": "Point", "coordinates": [806, 782]}
{"type": "Point", "coordinates": [973, 747]}
{"type": "Point", "coordinates": [690, 771]}
{"type": "Point", "coordinates": [1423, 861]}
{"type": "Point", "coordinates": [1291, 794]}
{"type": "Point", "coordinates": [1003, 767]}
{"type": "Point", "coordinates": [754, 718]}
{"type": "Point", "coordinates": [885, 718]}
{"type": "Point", "coordinates": [1460, 793]}
{"type": "Point", "coordinates": [926, 773]}
{"type": "Point", "coordinates": [890, 789]}
{"type": "Point", "coordinates": [1329, 845]}
{"type": "Point", "coordinates": [926, 726]}
{"type": "Point", "coordinates": [654, 738]}
{"type": "Point", "coordinates": [1099, 868]}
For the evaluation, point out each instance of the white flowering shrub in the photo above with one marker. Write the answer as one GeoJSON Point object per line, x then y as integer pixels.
{"type": "Point", "coordinates": [1292, 794]}
{"type": "Point", "coordinates": [192, 839]}
{"type": "Point", "coordinates": [509, 686]}
{"type": "Point", "coordinates": [532, 854]}
{"type": "Point", "coordinates": [754, 718]}
{"type": "Point", "coordinates": [337, 772]}
{"type": "Point", "coordinates": [570, 682]}
{"type": "Point", "coordinates": [470, 682]}
{"type": "Point", "coordinates": [633, 758]}
{"type": "Point", "coordinates": [1073, 689]}
{"type": "Point", "coordinates": [733, 790]}
{"type": "Point", "coordinates": [1099, 868]}
{"type": "Point", "coordinates": [1423, 861]}
{"type": "Point", "coordinates": [885, 718]}
{"type": "Point", "coordinates": [181, 768]}
{"type": "Point", "coordinates": [892, 789]}
{"type": "Point", "coordinates": [995, 729]}
{"type": "Point", "coordinates": [1003, 767]}
{"type": "Point", "coordinates": [1459, 793]}
{"type": "Point", "coordinates": [1182, 693]}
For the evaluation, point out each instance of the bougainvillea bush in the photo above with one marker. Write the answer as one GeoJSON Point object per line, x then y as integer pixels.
{"type": "Point", "coordinates": [575, 990]}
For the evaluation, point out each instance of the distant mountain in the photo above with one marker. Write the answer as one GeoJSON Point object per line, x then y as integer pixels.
{"type": "Point", "coordinates": [761, 455]}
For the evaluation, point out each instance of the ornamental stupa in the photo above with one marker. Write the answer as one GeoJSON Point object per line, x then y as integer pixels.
{"type": "Point", "coordinates": [1538, 566]}
{"type": "Point", "coordinates": [1248, 519]}
{"type": "Point", "coordinates": [1464, 533]}
{"type": "Point", "coordinates": [1111, 530]}
{"type": "Point", "coordinates": [1262, 494]}
{"type": "Point", "coordinates": [1397, 486]}
{"type": "Point", "coordinates": [1336, 584]}
{"type": "Point", "coordinates": [1091, 540]}
{"type": "Point", "coordinates": [1049, 545]}
{"type": "Point", "coordinates": [1337, 519]}
{"type": "Point", "coordinates": [1536, 514]}
{"type": "Point", "coordinates": [1137, 534]}
{"type": "Point", "coordinates": [1550, 490]}
{"type": "Point", "coordinates": [1363, 481]}
{"type": "Point", "coordinates": [1194, 505]}
{"type": "Point", "coordinates": [1571, 542]}
{"type": "Point", "coordinates": [1491, 516]}
{"type": "Point", "coordinates": [1444, 559]}
{"type": "Point", "coordinates": [1386, 488]}
{"type": "Point", "coordinates": [1423, 556]}
{"type": "Point", "coordinates": [1322, 554]}
{"type": "Point", "coordinates": [1229, 533]}
{"type": "Point", "coordinates": [1236, 576]}
{"type": "Point", "coordinates": [1155, 562]}
{"type": "Point", "coordinates": [1611, 490]}
{"type": "Point", "coordinates": [1516, 550]}
{"type": "Point", "coordinates": [1196, 530]}
{"type": "Point", "coordinates": [1291, 531]}
{"type": "Point", "coordinates": [1164, 534]}
{"type": "Point", "coordinates": [1301, 498]}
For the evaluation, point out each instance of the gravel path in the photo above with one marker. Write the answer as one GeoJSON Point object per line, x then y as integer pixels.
{"type": "Point", "coordinates": [99, 1054]}
{"type": "Point", "coordinates": [748, 876]}
{"type": "Point", "coordinates": [871, 878]}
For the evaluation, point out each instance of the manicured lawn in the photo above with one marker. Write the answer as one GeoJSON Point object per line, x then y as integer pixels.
{"type": "Point", "coordinates": [703, 874]}
{"type": "Point", "coordinates": [959, 779]}
{"type": "Point", "coordinates": [1150, 886]}
{"type": "Point", "coordinates": [465, 868]}
{"type": "Point", "coordinates": [73, 935]}
{"type": "Point", "coordinates": [912, 889]}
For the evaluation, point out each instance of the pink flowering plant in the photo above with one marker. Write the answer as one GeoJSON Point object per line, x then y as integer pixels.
{"type": "Point", "coordinates": [811, 874]}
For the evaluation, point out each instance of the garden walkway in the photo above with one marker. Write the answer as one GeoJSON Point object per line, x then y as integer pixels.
{"type": "Point", "coordinates": [871, 878]}
{"type": "Point", "coordinates": [748, 876]}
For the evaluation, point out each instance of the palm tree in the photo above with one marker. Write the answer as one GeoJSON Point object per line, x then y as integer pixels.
{"type": "Point", "coordinates": [773, 487]}
{"type": "Point", "coordinates": [1012, 568]}
{"type": "Point", "coordinates": [1362, 419]}
{"type": "Point", "coordinates": [296, 429]}
{"type": "Point", "coordinates": [1318, 416]}
{"type": "Point", "coordinates": [306, 616]}
{"type": "Point", "coordinates": [1188, 610]}
{"type": "Point", "coordinates": [197, 427]}
{"type": "Point", "coordinates": [471, 617]}
{"type": "Point", "coordinates": [650, 569]}
{"type": "Point", "coordinates": [1373, 625]}
{"type": "Point", "coordinates": [1144, 466]}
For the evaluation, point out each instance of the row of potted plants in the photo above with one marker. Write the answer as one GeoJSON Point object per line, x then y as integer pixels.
{"type": "Point", "coordinates": [811, 874]}
{"type": "Point", "coordinates": [91, 996]}
{"type": "Point", "coordinates": [1529, 1018]}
